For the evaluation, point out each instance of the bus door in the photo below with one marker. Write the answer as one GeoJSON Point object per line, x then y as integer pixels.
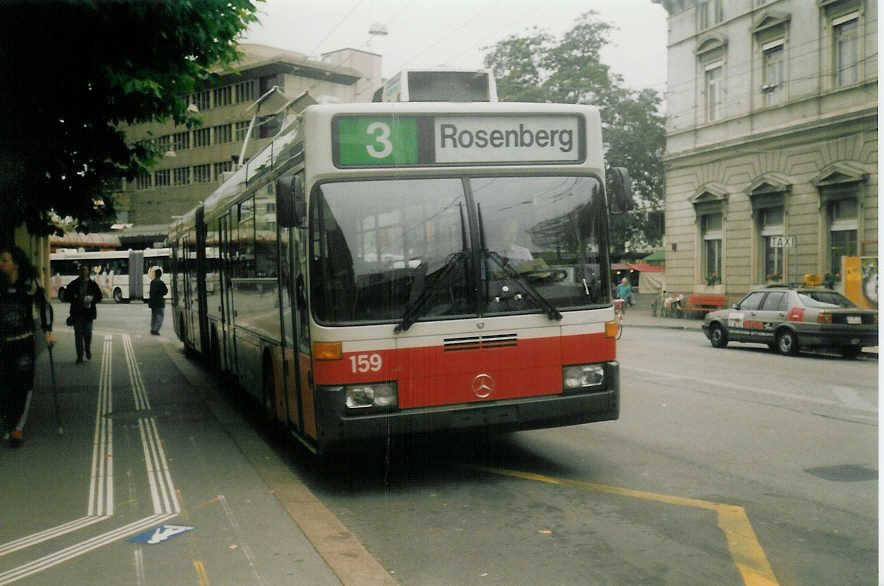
{"type": "Point", "coordinates": [299, 393]}
{"type": "Point", "coordinates": [227, 348]}
{"type": "Point", "coordinates": [202, 313]}
{"type": "Point", "coordinates": [136, 275]}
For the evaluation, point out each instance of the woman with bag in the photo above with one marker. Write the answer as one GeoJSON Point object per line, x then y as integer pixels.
{"type": "Point", "coordinates": [83, 293]}
{"type": "Point", "coordinates": [20, 295]}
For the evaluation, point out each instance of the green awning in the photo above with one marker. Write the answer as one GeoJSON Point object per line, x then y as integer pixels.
{"type": "Point", "coordinates": [656, 256]}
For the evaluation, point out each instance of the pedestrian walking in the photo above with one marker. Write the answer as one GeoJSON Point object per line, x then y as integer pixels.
{"type": "Point", "coordinates": [20, 295]}
{"type": "Point", "coordinates": [83, 293]}
{"type": "Point", "coordinates": [157, 301]}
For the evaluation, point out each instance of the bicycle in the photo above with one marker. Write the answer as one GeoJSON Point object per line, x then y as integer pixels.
{"type": "Point", "coordinates": [618, 312]}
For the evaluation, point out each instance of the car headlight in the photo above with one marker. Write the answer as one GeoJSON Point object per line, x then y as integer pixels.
{"type": "Point", "coordinates": [583, 376]}
{"type": "Point", "coordinates": [381, 395]}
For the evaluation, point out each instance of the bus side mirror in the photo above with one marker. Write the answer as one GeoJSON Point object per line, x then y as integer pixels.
{"type": "Point", "coordinates": [620, 190]}
{"type": "Point", "coordinates": [291, 205]}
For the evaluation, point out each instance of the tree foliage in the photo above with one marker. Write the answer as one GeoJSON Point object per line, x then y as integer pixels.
{"type": "Point", "coordinates": [538, 67]}
{"type": "Point", "coordinates": [75, 71]}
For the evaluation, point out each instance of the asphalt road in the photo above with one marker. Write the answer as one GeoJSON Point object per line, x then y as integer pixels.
{"type": "Point", "coordinates": [733, 466]}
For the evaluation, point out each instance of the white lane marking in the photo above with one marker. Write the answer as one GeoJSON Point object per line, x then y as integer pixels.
{"type": "Point", "coordinates": [101, 491]}
{"type": "Point", "coordinates": [48, 534]}
{"type": "Point", "coordinates": [139, 565]}
{"type": "Point", "coordinates": [162, 488]}
{"type": "Point", "coordinates": [81, 548]}
{"type": "Point", "coordinates": [851, 398]}
{"type": "Point", "coordinates": [758, 390]}
{"type": "Point", "coordinates": [244, 547]}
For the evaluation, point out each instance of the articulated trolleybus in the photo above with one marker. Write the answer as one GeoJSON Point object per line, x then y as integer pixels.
{"type": "Point", "coordinates": [391, 268]}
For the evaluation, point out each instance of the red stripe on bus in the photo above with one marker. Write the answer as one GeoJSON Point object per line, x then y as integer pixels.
{"type": "Point", "coordinates": [432, 375]}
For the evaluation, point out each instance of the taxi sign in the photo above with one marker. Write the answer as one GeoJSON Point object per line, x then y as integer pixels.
{"type": "Point", "coordinates": [439, 140]}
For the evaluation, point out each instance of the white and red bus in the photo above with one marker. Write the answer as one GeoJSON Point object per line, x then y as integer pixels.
{"type": "Point", "coordinates": [391, 268]}
{"type": "Point", "coordinates": [122, 275]}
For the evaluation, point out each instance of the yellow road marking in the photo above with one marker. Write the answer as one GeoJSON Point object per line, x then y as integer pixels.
{"type": "Point", "coordinates": [742, 542]}
{"type": "Point", "coordinates": [201, 575]}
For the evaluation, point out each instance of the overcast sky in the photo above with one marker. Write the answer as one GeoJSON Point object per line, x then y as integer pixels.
{"type": "Point", "coordinates": [426, 33]}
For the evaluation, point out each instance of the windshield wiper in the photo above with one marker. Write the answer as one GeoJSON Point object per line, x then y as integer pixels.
{"type": "Point", "coordinates": [415, 309]}
{"type": "Point", "coordinates": [522, 282]}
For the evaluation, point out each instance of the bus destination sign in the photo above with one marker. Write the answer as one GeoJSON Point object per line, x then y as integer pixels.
{"type": "Point", "coordinates": [388, 141]}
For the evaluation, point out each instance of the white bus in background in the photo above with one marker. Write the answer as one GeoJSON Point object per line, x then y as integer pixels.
{"type": "Point", "coordinates": [122, 275]}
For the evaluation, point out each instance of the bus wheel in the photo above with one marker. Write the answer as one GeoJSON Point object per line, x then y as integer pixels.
{"type": "Point", "coordinates": [269, 393]}
{"type": "Point", "coordinates": [216, 351]}
{"type": "Point", "coordinates": [118, 295]}
{"type": "Point", "coordinates": [61, 294]}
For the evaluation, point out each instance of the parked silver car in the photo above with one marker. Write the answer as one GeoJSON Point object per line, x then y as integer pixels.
{"type": "Point", "coordinates": [788, 319]}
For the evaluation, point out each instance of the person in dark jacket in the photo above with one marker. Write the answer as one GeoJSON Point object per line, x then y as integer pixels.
{"type": "Point", "coordinates": [157, 302]}
{"type": "Point", "coordinates": [83, 293]}
{"type": "Point", "coordinates": [19, 296]}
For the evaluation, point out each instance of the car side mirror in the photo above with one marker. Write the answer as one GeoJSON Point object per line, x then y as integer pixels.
{"type": "Point", "coordinates": [620, 190]}
{"type": "Point", "coordinates": [291, 205]}
{"type": "Point", "coordinates": [735, 306]}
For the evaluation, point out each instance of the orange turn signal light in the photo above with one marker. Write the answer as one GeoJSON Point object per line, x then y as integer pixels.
{"type": "Point", "coordinates": [611, 329]}
{"type": "Point", "coordinates": [327, 351]}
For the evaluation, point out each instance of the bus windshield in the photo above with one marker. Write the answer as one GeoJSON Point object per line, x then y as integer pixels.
{"type": "Point", "coordinates": [458, 247]}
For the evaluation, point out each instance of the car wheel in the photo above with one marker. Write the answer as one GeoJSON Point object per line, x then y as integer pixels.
{"type": "Point", "coordinates": [787, 343]}
{"type": "Point", "coordinates": [717, 336]}
{"type": "Point", "coordinates": [850, 352]}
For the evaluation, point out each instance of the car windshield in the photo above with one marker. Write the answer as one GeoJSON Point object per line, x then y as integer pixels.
{"type": "Point", "coordinates": [384, 247]}
{"type": "Point", "coordinates": [824, 299]}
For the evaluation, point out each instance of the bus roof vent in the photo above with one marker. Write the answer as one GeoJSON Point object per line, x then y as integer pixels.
{"type": "Point", "coordinates": [439, 85]}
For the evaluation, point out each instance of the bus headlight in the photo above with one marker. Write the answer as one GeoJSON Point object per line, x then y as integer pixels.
{"type": "Point", "coordinates": [380, 395]}
{"type": "Point", "coordinates": [583, 376]}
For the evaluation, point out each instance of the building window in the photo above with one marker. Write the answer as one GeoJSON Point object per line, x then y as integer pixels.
{"type": "Point", "coordinates": [842, 214]}
{"type": "Point", "coordinates": [712, 233]}
{"type": "Point", "coordinates": [846, 40]}
{"type": "Point", "coordinates": [223, 133]}
{"type": "Point", "coordinates": [224, 167]}
{"type": "Point", "coordinates": [202, 173]}
{"type": "Point", "coordinates": [201, 100]}
{"type": "Point", "coordinates": [161, 178]}
{"type": "Point", "coordinates": [268, 126]}
{"type": "Point", "coordinates": [162, 143]}
{"type": "Point", "coordinates": [143, 181]}
{"type": "Point", "coordinates": [181, 175]}
{"type": "Point", "coordinates": [774, 63]}
{"type": "Point", "coordinates": [714, 91]}
{"type": "Point", "coordinates": [202, 137]}
{"type": "Point", "coordinates": [268, 81]}
{"type": "Point", "coordinates": [771, 220]}
{"type": "Point", "coordinates": [223, 96]}
{"type": "Point", "coordinates": [242, 128]}
{"type": "Point", "coordinates": [181, 141]}
{"type": "Point", "coordinates": [245, 91]}
{"type": "Point", "coordinates": [709, 13]}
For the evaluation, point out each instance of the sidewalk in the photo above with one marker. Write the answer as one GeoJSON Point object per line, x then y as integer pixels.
{"type": "Point", "coordinates": [640, 315]}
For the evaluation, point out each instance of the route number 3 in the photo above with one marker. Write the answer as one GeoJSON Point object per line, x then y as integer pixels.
{"type": "Point", "coordinates": [381, 132]}
{"type": "Point", "coordinates": [366, 362]}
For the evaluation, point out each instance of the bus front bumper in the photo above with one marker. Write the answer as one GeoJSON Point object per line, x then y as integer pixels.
{"type": "Point", "coordinates": [339, 429]}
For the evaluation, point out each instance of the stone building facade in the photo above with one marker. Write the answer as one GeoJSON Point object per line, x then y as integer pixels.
{"type": "Point", "coordinates": [772, 133]}
{"type": "Point", "coordinates": [196, 160]}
